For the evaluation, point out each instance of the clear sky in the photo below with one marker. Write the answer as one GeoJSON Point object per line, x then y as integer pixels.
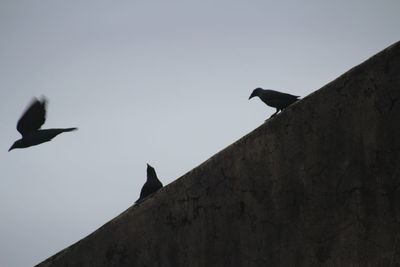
{"type": "Point", "coordinates": [159, 82]}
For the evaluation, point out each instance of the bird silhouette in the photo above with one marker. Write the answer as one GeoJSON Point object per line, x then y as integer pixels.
{"type": "Point", "coordinates": [151, 185]}
{"type": "Point", "coordinates": [29, 126]}
{"type": "Point", "coordinates": [274, 99]}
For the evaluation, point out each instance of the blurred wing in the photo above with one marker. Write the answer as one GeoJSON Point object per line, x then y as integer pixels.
{"type": "Point", "coordinates": [33, 118]}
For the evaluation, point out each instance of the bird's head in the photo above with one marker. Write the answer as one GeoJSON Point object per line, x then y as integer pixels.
{"type": "Point", "coordinates": [256, 92]}
{"type": "Point", "coordinates": [17, 144]}
{"type": "Point", "coordinates": [151, 172]}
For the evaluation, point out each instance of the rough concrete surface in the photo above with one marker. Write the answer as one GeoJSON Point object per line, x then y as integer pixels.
{"type": "Point", "coordinates": [317, 185]}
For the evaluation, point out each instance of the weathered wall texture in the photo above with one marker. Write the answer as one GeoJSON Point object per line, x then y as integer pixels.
{"type": "Point", "coordinates": [318, 185]}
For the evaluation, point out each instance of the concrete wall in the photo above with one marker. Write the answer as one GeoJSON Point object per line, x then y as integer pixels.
{"type": "Point", "coordinates": [318, 185]}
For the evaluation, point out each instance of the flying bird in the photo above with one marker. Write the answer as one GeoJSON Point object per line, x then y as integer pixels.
{"type": "Point", "coordinates": [274, 99]}
{"type": "Point", "coordinates": [29, 126]}
{"type": "Point", "coordinates": [151, 185]}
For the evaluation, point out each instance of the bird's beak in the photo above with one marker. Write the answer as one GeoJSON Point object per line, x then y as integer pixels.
{"type": "Point", "coordinates": [252, 95]}
{"type": "Point", "coordinates": [11, 148]}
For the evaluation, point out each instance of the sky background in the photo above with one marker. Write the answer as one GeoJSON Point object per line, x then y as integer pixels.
{"type": "Point", "coordinates": [159, 82]}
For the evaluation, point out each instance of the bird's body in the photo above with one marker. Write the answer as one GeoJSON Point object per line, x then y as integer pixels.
{"type": "Point", "coordinates": [275, 99]}
{"type": "Point", "coordinates": [41, 136]}
{"type": "Point", "coordinates": [29, 126]}
{"type": "Point", "coordinates": [152, 184]}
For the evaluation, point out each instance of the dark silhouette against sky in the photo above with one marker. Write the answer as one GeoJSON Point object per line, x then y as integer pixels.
{"type": "Point", "coordinates": [275, 99]}
{"type": "Point", "coordinates": [151, 185]}
{"type": "Point", "coordinates": [165, 82]}
{"type": "Point", "coordinates": [29, 126]}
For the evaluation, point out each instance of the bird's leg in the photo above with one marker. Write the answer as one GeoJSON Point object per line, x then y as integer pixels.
{"type": "Point", "coordinates": [277, 110]}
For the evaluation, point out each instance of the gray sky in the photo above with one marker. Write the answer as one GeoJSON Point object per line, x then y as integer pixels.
{"type": "Point", "coordinates": [159, 82]}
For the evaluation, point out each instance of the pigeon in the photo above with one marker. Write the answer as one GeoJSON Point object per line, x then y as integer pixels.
{"type": "Point", "coordinates": [151, 185]}
{"type": "Point", "coordinates": [29, 126]}
{"type": "Point", "coordinates": [275, 99]}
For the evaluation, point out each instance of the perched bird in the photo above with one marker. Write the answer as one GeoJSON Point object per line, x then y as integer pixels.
{"type": "Point", "coordinates": [274, 99]}
{"type": "Point", "coordinates": [29, 126]}
{"type": "Point", "coordinates": [151, 185]}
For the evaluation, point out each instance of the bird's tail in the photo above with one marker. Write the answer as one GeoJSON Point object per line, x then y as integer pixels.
{"type": "Point", "coordinates": [69, 129]}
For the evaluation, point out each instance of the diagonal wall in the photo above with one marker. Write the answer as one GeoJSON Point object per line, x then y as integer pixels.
{"type": "Point", "coordinates": [318, 185]}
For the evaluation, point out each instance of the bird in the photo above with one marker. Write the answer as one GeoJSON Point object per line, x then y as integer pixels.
{"type": "Point", "coordinates": [29, 126]}
{"type": "Point", "coordinates": [151, 185]}
{"type": "Point", "coordinates": [274, 99]}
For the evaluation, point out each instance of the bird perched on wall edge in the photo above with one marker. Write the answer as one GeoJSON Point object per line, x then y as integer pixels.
{"type": "Point", "coordinates": [151, 185]}
{"type": "Point", "coordinates": [275, 99]}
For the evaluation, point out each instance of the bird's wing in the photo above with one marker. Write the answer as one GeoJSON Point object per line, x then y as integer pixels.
{"type": "Point", "coordinates": [272, 94]}
{"type": "Point", "coordinates": [33, 118]}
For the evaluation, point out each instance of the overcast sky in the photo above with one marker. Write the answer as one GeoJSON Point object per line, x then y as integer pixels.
{"type": "Point", "coordinates": [159, 82]}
